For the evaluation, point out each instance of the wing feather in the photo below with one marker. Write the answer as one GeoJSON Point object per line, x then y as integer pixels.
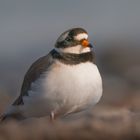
{"type": "Point", "coordinates": [34, 72]}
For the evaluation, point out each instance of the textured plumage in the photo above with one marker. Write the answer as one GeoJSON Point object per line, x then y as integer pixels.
{"type": "Point", "coordinates": [65, 81]}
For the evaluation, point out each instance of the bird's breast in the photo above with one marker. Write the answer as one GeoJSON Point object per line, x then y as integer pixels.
{"type": "Point", "coordinates": [73, 85]}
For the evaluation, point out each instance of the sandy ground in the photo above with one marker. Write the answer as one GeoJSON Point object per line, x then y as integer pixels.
{"type": "Point", "coordinates": [101, 123]}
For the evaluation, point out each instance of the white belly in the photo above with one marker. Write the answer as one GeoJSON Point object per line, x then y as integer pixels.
{"type": "Point", "coordinates": [64, 89]}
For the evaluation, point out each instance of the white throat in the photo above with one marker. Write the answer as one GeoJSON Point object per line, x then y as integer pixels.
{"type": "Point", "coordinates": [75, 49]}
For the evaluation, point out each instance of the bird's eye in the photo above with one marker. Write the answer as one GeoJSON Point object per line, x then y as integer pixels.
{"type": "Point", "coordinates": [68, 39]}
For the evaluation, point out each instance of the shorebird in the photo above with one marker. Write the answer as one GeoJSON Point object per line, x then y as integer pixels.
{"type": "Point", "coordinates": [63, 82]}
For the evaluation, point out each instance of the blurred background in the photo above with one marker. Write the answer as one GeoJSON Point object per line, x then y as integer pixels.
{"type": "Point", "coordinates": [29, 29]}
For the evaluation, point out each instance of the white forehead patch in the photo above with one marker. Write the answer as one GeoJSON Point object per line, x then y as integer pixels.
{"type": "Point", "coordinates": [63, 37]}
{"type": "Point", "coordinates": [81, 36]}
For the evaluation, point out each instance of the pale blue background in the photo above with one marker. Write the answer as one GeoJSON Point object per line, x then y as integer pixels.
{"type": "Point", "coordinates": [29, 29]}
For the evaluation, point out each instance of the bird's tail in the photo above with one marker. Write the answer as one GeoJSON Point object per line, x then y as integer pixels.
{"type": "Point", "coordinates": [2, 118]}
{"type": "Point", "coordinates": [6, 117]}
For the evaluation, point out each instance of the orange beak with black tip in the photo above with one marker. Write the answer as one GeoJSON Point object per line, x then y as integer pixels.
{"type": "Point", "coordinates": [85, 43]}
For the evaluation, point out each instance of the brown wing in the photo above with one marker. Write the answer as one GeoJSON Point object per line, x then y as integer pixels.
{"type": "Point", "coordinates": [36, 69]}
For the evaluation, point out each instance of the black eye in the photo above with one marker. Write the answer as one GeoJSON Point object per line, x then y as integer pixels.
{"type": "Point", "coordinates": [68, 39]}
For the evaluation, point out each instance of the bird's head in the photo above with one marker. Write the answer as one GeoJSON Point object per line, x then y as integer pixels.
{"type": "Point", "coordinates": [73, 41]}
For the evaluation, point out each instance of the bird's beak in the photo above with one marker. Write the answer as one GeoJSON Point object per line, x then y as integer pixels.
{"type": "Point", "coordinates": [85, 43]}
{"type": "Point", "coordinates": [90, 46]}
